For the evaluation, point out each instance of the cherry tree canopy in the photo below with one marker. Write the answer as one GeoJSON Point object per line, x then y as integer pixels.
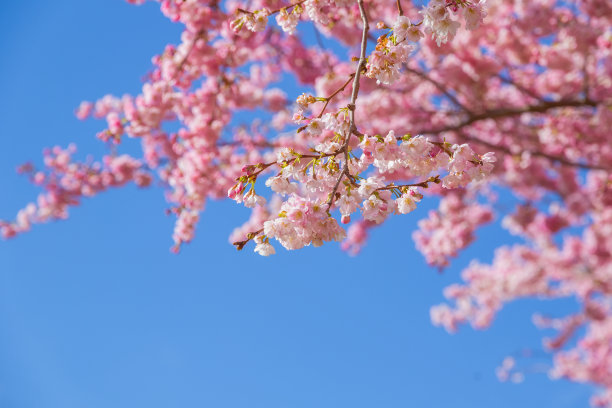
{"type": "Point", "coordinates": [456, 99]}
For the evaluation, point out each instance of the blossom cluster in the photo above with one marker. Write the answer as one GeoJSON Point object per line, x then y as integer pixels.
{"type": "Point", "coordinates": [450, 228]}
{"type": "Point", "coordinates": [315, 184]}
{"type": "Point", "coordinates": [66, 182]}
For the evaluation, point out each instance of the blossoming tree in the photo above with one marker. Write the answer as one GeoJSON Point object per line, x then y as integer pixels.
{"type": "Point", "coordinates": [453, 99]}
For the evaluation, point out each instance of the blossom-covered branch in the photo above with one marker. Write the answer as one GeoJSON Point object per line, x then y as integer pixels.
{"type": "Point", "coordinates": [445, 86]}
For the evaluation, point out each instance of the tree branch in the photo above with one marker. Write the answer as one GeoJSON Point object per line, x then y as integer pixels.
{"type": "Point", "coordinates": [399, 8]}
{"type": "Point", "coordinates": [439, 86]}
{"type": "Point", "coordinates": [558, 159]}
{"type": "Point", "coordinates": [521, 88]}
{"type": "Point", "coordinates": [508, 112]}
{"type": "Point", "coordinates": [351, 106]}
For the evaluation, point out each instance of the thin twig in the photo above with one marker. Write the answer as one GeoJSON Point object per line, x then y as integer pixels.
{"type": "Point", "coordinates": [351, 106]}
{"type": "Point", "coordinates": [521, 88]}
{"type": "Point", "coordinates": [399, 8]}
{"type": "Point", "coordinates": [558, 159]}
{"type": "Point", "coordinates": [508, 112]}
{"type": "Point", "coordinates": [241, 10]}
{"type": "Point", "coordinates": [240, 244]}
{"type": "Point", "coordinates": [440, 87]}
{"type": "Point", "coordinates": [336, 92]}
{"type": "Point", "coordinates": [424, 184]}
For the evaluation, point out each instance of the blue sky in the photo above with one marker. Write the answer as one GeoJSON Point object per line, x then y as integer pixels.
{"type": "Point", "coordinates": [96, 312]}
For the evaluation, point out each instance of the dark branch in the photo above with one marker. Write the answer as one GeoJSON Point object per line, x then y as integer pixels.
{"type": "Point", "coordinates": [439, 86]}
{"type": "Point", "coordinates": [508, 112]}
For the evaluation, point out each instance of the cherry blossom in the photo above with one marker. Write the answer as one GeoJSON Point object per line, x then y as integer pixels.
{"type": "Point", "coordinates": [455, 103]}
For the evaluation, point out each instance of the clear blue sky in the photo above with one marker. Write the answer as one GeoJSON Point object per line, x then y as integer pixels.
{"type": "Point", "coordinates": [95, 311]}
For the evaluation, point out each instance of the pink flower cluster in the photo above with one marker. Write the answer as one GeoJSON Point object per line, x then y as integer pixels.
{"type": "Point", "coordinates": [579, 267]}
{"type": "Point", "coordinates": [309, 178]}
{"type": "Point", "coordinates": [450, 228]}
{"type": "Point", "coordinates": [65, 182]}
{"type": "Point", "coordinates": [302, 222]}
